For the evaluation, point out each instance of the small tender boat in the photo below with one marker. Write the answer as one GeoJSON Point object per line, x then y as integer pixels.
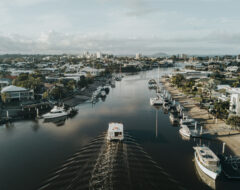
{"type": "Point", "coordinates": [115, 131]}
{"type": "Point", "coordinates": [55, 113]}
{"type": "Point", "coordinates": [103, 93]}
{"type": "Point", "coordinates": [184, 131]}
{"type": "Point", "coordinates": [207, 161]}
{"type": "Point", "coordinates": [107, 89]}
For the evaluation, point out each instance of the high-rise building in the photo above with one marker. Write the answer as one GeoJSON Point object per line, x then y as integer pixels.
{"type": "Point", "coordinates": [138, 55]}
{"type": "Point", "coordinates": [238, 58]}
{"type": "Point", "coordinates": [183, 56]}
{"type": "Point", "coordinates": [99, 55]}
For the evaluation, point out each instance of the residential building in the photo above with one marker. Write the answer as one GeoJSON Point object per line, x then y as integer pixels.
{"type": "Point", "coordinates": [192, 74]}
{"type": "Point", "coordinates": [92, 71]}
{"type": "Point", "coordinates": [16, 93]}
{"type": "Point", "coordinates": [232, 69]}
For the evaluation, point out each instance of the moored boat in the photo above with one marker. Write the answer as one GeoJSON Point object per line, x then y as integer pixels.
{"type": "Point", "coordinates": [173, 118]}
{"type": "Point", "coordinates": [156, 101]}
{"type": "Point", "coordinates": [55, 113]}
{"type": "Point", "coordinates": [207, 161]}
{"type": "Point", "coordinates": [184, 131]}
{"type": "Point", "coordinates": [187, 121]}
{"type": "Point", "coordinates": [103, 93]}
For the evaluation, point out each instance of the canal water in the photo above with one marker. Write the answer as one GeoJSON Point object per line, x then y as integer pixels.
{"type": "Point", "coordinates": [75, 154]}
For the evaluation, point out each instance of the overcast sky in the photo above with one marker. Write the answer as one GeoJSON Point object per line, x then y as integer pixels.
{"type": "Point", "coordinates": [120, 26]}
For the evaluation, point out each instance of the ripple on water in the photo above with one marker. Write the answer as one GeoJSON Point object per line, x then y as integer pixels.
{"type": "Point", "coordinates": [103, 165]}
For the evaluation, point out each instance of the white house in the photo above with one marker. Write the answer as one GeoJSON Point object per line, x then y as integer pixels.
{"type": "Point", "coordinates": [18, 72]}
{"type": "Point", "coordinates": [92, 71]}
{"type": "Point", "coordinates": [192, 74]}
{"type": "Point", "coordinates": [17, 93]}
{"type": "Point", "coordinates": [232, 69]}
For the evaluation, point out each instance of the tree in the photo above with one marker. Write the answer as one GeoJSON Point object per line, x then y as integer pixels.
{"type": "Point", "coordinates": [221, 109]}
{"type": "Point", "coordinates": [71, 85]}
{"type": "Point", "coordinates": [45, 95]}
{"type": "Point", "coordinates": [83, 82]}
{"type": "Point", "coordinates": [4, 97]}
{"type": "Point", "coordinates": [177, 80]}
{"type": "Point", "coordinates": [234, 121]}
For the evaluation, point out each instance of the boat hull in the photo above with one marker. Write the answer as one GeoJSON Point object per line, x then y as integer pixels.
{"type": "Point", "coordinates": [46, 116]}
{"type": "Point", "coordinates": [154, 102]}
{"type": "Point", "coordinates": [209, 173]}
{"type": "Point", "coordinates": [184, 133]}
{"type": "Point", "coordinates": [203, 177]}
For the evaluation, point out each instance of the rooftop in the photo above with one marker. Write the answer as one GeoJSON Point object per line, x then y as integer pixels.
{"type": "Point", "coordinates": [12, 88]}
{"type": "Point", "coordinates": [115, 127]}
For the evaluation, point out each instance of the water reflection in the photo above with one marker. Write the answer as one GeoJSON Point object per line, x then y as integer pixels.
{"type": "Point", "coordinates": [60, 121]}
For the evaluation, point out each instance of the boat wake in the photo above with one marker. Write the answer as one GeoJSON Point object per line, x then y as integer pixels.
{"type": "Point", "coordinates": [103, 165]}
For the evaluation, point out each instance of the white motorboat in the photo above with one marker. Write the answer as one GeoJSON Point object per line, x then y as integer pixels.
{"type": "Point", "coordinates": [173, 118]}
{"type": "Point", "coordinates": [156, 101]}
{"type": "Point", "coordinates": [55, 113]}
{"type": "Point", "coordinates": [207, 161]}
{"type": "Point", "coordinates": [184, 131]}
{"type": "Point", "coordinates": [187, 121]}
{"type": "Point", "coordinates": [115, 131]}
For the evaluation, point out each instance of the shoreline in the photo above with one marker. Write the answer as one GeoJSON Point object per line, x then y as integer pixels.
{"type": "Point", "coordinates": [232, 139]}
{"type": "Point", "coordinates": [17, 114]}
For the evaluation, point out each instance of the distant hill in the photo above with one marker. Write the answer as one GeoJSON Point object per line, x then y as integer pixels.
{"type": "Point", "coordinates": [158, 55]}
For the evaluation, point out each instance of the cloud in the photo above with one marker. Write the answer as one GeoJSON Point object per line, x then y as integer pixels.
{"type": "Point", "coordinates": [57, 43]}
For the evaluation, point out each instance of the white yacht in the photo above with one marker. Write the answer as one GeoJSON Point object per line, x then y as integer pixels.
{"type": "Point", "coordinates": [115, 131]}
{"type": "Point", "coordinates": [55, 113]}
{"type": "Point", "coordinates": [207, 161]}
{"type": "Point", "coordinates": [184, 131]}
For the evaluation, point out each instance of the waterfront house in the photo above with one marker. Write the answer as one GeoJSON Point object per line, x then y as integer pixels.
{"type": "Point", "coordinates": [92, 71]}
{"type": "Point", "coordinates": [15, 93]}
{"type": "Point", "coordinates": [192, 74]}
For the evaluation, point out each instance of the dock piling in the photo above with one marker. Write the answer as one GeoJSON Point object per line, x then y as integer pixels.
{"type": "Point", "coordinates": [7, 114]}
{"type": "Point", "coordinates": [223, 148]}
